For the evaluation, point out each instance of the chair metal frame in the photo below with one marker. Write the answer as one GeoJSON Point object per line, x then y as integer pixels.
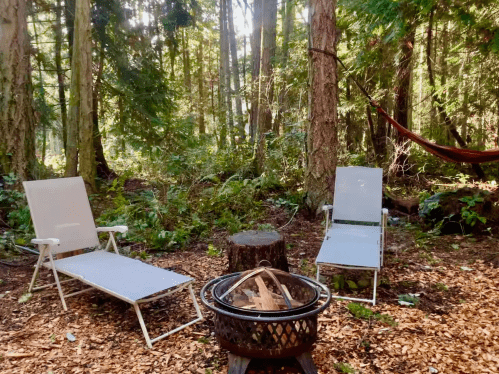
{"type": "Point", "coordinates": [47, 247]}
{"type": "Point", "coordinates": [328, 209]}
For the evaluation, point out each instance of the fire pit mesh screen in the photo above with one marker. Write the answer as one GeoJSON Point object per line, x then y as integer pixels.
{"type": "Point", "coordinates": [266, 338]}
{"type": "Point", "coordinates": [266, 289]}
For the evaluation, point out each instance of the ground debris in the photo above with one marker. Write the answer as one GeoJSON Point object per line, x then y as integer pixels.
{"type": "Point", "coordinates": [454, 328]}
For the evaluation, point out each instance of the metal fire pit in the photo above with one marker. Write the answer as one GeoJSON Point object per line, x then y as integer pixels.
{"type": "Point", "coordinates": [265, 334]}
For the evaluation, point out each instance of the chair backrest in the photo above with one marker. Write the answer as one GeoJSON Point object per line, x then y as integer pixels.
{"type": "Point", "coordinates": [60, 209]}
{"type": "Point", "coordinates": [358, 194]}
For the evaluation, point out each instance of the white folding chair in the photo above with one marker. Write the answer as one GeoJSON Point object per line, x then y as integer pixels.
{"type": "Point", "coordinates": [355, 238]}
{"type": "Point", "coordinates": [63, 222]}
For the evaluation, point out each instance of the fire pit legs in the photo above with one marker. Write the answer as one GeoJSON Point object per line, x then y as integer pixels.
{"type": "Point", "coordinates": [238, 364]}
{"type": "Point", "coordinates": [307, 363]}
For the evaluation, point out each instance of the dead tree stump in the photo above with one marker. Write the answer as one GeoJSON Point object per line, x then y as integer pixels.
{"type": "Point", "coordinates": [248, 248]}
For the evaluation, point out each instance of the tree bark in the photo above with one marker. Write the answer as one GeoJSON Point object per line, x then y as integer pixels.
{"type": "Point", "coordinates": [69, 16]}
{"type": "Point", "coordinates": [235, 72]}
{"type": "Point", "coordinates": [17, 114]}
{"type": "Point", "coordinates": [222, 81]}
{"type": "Point", "coordinates": [247, 249]}
{"type": "Point", "coordinates": [266, 82]}
{"type": "Point", "coordinates": [288, 24]}
{"type": "Point", "coordinates": [403, 92]}
{"type": "Point", "coordinates": [80, 114]}
{"type": "Point", "coordinates": [60, 73]}
{"type": "Point", "coordinates": [256, 38]}
{"type": "Point", "coordinates": [187, 62]}
{"type": "Point", "coordinates": [227, 93]}
{"type": "Point", "coordinates": [322, 140]}
{"type": "Point", "coordinates": [202, 100]}
{"type": "Point", "coordinates": [102, 168]}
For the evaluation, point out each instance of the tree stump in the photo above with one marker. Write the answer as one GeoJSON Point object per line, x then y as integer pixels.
{"type": "Point", "coordinates": [248, 248]}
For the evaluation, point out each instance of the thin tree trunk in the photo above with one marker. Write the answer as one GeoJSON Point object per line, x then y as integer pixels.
{"type": "Point", "coordinates": [433, 113]}
{"type": "Point", "coordinates": [201, 102]}
{"type": "Point", "coordinates": [102, 168]}
{"type": "Point", "coordinates": [402, 91]}
{"type": "Point", "coordinates": [266, 85]}
{"type": "Point", "coordinates": [60, 73]}
{"type": "Point", "coordinates": [187, 62]}
{"type": "Point", "coordinates": [81, 94]}
{"type": "Point", "coordinates": [349, 131]}
{"type": "Point", "coordinates": [235, 71]}
{"type": "Point", "coordinates": [256, 38]}
{"type": "Point", "coordinates": [44, 108]}
{"type": "Point", "coordinates": [322, 140]}
{"type": "Point", "coordinates": [288, 24]}
{"type": "Point", "coordinates": [17, 114]}
{"type": "Point", "coordinates": [69, 16]}
{"type": "Point", "coordinates": [222, 81]}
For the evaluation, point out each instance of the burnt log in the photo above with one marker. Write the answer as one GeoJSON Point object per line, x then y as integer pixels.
{"type": "Point", "coordinates": [247, 249]}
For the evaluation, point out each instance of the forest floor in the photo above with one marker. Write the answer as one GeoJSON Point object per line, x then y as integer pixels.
{"type": "Point", "coordinates": [453, 329]}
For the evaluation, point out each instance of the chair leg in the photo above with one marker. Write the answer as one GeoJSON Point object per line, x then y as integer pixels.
{"type": "Point", "coordinates": [57, 281]}
{"type": "Point", "coordinates": [37, 268]}
{"type": "Point", "coordinates": [142, 325]}
{"type": "Point", "coordinates": [375, 284]}
{"type": "Point", "coordinates": [318, 273]}
{"type": "Point", "coordinates": [194, 301]}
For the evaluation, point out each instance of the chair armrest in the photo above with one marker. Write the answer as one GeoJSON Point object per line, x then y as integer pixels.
{"type": "Point", "coordinates": [327, 207]}
{"type": "Point", "coordinates": [49, 241]}
{"type": "Point", "coordinates": [121, 229]}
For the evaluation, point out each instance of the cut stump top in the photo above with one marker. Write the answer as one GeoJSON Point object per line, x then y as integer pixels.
{"type": "Point", "coordinates": [255, 238]}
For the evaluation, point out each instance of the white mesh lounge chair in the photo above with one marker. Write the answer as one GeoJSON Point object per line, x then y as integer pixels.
{"type": "Point", "coordinates": [355, 232]}
{"type": "Point", "coordinates": [63, 222]}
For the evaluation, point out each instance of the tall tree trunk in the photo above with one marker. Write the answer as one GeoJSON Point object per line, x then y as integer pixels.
{"type": "Point", "coordinates": [17, 115]}
{"type": "Point", "coordinates": [256, 39]}
{"type": "Point", "coordinates": [349, 128]}
{"type": "Point", "coordinates": [266, 85]}
{"type": "Point", "coordinates": [235, 71]}
{"type": "Point", "coordinates": [322, 140]}
{"type": "Point", "coordinates": [60, 72]}
{"type": "Point", "coordinates": [187, 62]}
{"type": "Point", "coordinates": [80, 113]}
{"type": "Point", "coordinates": [42, 106]}
{"type": "Point", "coordinates": [402, 90]}
{"type": "Point", "coordinates": [201, 101]}
{"type": "Point", "coordinates": [226, 66]}
{"type": "Point", "coordinates": [288, 24]}
{"type": "Point", "coordinates": [434, 132]}
{"type": "Point", "coordinates": [102, 168]}
{"type": "Point", "coordinates": [222, 81]}
{"type": "Point", "coordinates": [69, 16]}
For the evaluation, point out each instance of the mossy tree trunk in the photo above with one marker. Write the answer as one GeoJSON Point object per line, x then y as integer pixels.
{"type": "Point", "coordinates": [266, 84]}
{"type": "Point", "coordinates": [80, 124]}
{"type": "Point", "coordinates": [17, 115]}
{"type": "Point", "coordinates": [322, 138]}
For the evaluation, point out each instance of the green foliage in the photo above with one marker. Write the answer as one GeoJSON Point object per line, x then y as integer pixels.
{"type": "Point", "coordinates": [14, 215]}
{"type": "Point", "coordinates": [408, 299]}
{"type": "Point", "coordinates": [469, 216]}
{"type": "Point", "coordinates": [213, 251]}
{"type": "Point", "coordinates": [266, 227]}
{"type": "Point", "coordinates": [344, 367]}
{"type": "Point", "coordinates": [361, 312]}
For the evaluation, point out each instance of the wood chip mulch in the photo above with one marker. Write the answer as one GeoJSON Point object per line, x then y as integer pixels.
{"type": "Point", "coordinates": [454, 329]}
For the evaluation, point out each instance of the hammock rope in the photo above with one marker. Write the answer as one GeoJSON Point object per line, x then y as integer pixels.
{"type": "Point", "coordinates": [447, 153]}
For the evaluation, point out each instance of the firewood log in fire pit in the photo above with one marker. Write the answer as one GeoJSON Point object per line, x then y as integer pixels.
{"type": "Point", "coordinates": [248, 248]}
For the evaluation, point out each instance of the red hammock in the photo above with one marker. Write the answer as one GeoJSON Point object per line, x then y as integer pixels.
{"type": "Point", "coordinates": [451, 154]}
